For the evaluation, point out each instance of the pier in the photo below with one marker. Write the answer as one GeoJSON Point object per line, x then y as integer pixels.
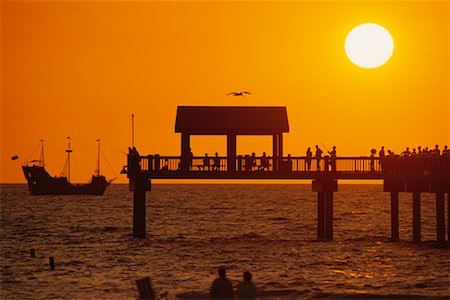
{"type": "Point", "coordinates": [412, 174]}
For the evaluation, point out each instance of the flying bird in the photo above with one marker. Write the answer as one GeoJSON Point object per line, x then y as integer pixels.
{"type": "Point", "coordinates": [238, 94]}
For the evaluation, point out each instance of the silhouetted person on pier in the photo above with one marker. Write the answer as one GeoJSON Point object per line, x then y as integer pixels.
{"type": "Point", "coordinates": [308, 159]}
{"type": "Point", "coordinates": [221, 287]}
{"type": "Point", "coordinates": [446, 151]}
{"type": "Point", "coordinates": [382, 155]}
{"type": "Point", "coordinates": [190, 158]}
{"type": "Point", "coordinates": [436, 151]}
{"type": "Point", "coordinates": [333, 159]}
{"type": "Point", "coordinates": [206, 162]}
{"type": "Point", "coordinates": [318, 156]}
{"type": "Point", "coordinates": [134, 162]}
{"type": "Point", "coordinates": [246, 289]}
{"type": "Point", "coordinates": [414, 153]}
{"type": "Point", "coordinates": [216, 165]}
{"type": "Point", "coordinates": [264, 162]}
{"type": "Point", "coordinates": [406, 152]}
{"type": "Point", "coordinates": [419, 150]}
{"type": "Point", "coordinates": [250, 162]}
{"type": "Point", "coordinates": [372, 159]}
{"type": "Point", "coordinates": [166, 165]}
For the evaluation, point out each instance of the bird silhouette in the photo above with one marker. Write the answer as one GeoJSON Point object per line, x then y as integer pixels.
{"type": "Point", "coordinates": [238, 94]}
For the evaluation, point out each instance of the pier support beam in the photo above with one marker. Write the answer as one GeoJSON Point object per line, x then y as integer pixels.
{"type": "Point", "coordinates": [448, 217]}
{"type": "Point", "coordinates": [324, 189]}
{"type": "Point", "coordinates": [329, 215]}
{"type": "Point", "coordinates": [440, 217]}
{"type": "Point", "coordinates": [394, 216]}
{"type": "Point", "coordinates": [320, 215]}
{"type": "Point", "coordinates": [140, 185]}
{"type": "Point", "coordinates": [416, 217]}
{"type": "Point", "coordinates": [231, 152]}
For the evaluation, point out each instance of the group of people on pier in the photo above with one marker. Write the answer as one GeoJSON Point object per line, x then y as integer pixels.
{"type": "Point", "coordinates": [324, 161]}
{"type": "Point", "coordinates": [318, 156]}
{"type": "Point", "coordinates": [425, 151]}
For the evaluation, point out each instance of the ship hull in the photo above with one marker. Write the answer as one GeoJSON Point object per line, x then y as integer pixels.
{"type": "Point", "coordinates": [41, 183]}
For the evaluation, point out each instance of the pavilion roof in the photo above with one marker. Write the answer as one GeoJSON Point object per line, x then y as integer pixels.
{"type": "Point", "coordinates": [239, 120]}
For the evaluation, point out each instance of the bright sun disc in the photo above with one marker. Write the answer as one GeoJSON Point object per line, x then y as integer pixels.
{"type": "Point", "coordinates": [369, 45]}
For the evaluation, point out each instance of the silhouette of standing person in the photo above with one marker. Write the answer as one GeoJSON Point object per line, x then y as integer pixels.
{"type": "Point", "coordinates": [221, 287]}
{"type": "Point", "coordinates": [246, 289]}
{"type": "Point", "coordinates": [190, 158]}
{"type": "Point", "coordinates": [318, 156]}
{"type": "Point", "coordinates": [333, 159]}
{"type": "Point", "coordinates": [382, 155]}
{"type": "Point", "coordinates": [308, 158]}
{"type": "Point", "coordinates": [216, 165]}
{"type": "Point", "coordinates": [206, 162]}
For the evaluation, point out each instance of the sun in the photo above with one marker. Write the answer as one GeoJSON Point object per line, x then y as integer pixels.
{"type": "Point", "coordinates": [369, 45]}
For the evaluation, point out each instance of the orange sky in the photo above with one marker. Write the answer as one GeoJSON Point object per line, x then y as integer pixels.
{"type": "Point", "coordinates": [80, 69]}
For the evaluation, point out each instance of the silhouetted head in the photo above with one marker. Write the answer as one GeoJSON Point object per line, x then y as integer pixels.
{"type": "Point", "coordinates": [222, 272]}
{"type": "Point", "coordinates": [437, 147]}
{"type": "Point", "coordinates": [247, 276]}
{"type": "Point", "coordinates": [382, 147]}
{"type": "Point", "coordinates": [217, 154]}
{"type": "Point", "coordinates": [334, 147]}
{"type": "Point", "coordinates": [206, 154]}
{"type": "Point", "coordinates": [253, 154]}
{"type": "Point", "coordinates": [317, 146]}
{"type": "Point", "coordinates": [264, 153]}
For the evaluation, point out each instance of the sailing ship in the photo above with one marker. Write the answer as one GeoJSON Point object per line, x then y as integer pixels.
{"type": "Point", "coordinates": [40, 182]}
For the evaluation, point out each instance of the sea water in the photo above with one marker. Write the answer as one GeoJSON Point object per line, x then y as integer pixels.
{"type": "Point", "coordinates": [269, 230]}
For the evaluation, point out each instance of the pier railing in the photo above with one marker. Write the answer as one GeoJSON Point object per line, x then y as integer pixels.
{"type": "Point", "coordinates": [156, 164]}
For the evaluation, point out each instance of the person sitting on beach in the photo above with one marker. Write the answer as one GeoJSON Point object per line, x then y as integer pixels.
{"type": "Point", "coordinates": [221, 287]}
{"type": "Point", "coordinates": [246, 289]}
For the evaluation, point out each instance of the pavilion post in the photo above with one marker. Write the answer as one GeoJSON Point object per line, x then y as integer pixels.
{"type": "Point", "coordinates": [231, 152]}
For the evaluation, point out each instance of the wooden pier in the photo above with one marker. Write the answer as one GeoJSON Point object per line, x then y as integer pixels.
{"type": "Point", "coordinates": [414, 174]}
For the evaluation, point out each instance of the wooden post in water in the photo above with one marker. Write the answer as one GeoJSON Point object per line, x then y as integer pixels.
{"type": "Point", "coordinates": [416, 217]}
{"type": "Point", "coordinates": [440, 217]}
{"type": "Point", "coordinates": [142, 185]}
{"type": "Point", "coordinates": [448, 217]}
{"type": "Point", "coordinates": [329, 214]}
{"type": "Point", "coordinates": [320, 215]}
{"type": "Point", "coordinates": [394, 216]}
{"type": "Point", "coordinates": [324, 188]}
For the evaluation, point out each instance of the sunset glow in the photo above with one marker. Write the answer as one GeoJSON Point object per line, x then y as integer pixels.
{"type": "Point", "coordinates": [81, 69]}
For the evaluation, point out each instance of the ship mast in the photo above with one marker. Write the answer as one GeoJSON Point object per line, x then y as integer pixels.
{"type": "Point", "coordinates": [132, 130]}
{"type": "Point", "coordinates": [68, 159]}
{"type": "Point", "coordinates": [98, 158]}
{"type": "Point", "coordinates": [42, 153]}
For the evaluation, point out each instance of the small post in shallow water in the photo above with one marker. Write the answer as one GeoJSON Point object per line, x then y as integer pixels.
{"type": "Point", "coordinates": [51, 260]}
{"type": "Point", "coordinates": [32, 253]}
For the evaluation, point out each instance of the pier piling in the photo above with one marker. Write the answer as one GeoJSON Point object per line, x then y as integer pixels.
{"type": "Point", "coordinates": [394, 216]}
{"type": "Point", "coordinates": [416, 217]}
{"type": "Point", "coordinates": [320, 215]}
{"type": "Point", "coordinates": [324, 188]}
{"type": "Point", "coordinates": [440, 217]}
{"type": "Point", "coordinates": [141, 186]}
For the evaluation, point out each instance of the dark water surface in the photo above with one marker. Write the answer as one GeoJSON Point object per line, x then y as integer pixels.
{"type": "Point", "coordinates": [269, 230]}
